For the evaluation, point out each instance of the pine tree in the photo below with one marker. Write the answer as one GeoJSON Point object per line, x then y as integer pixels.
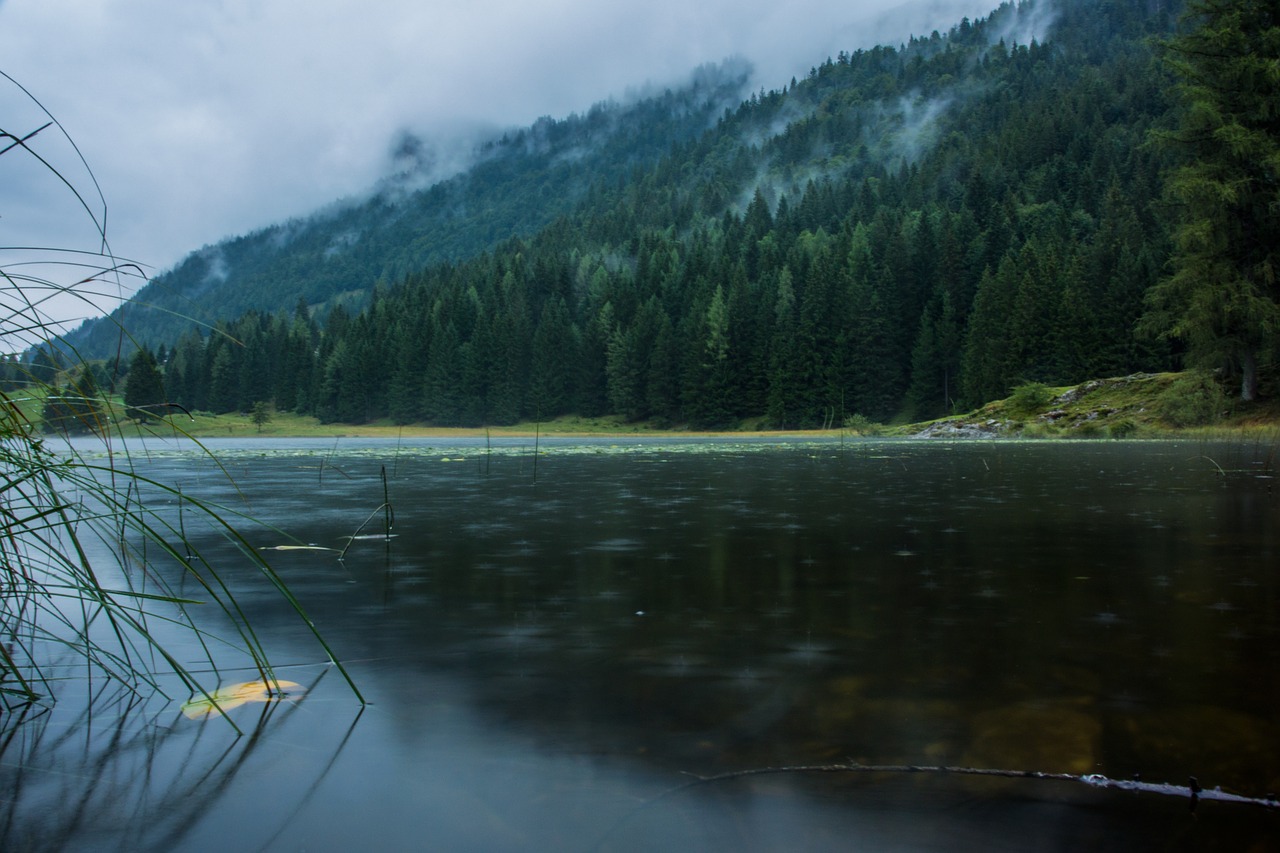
{"type": "Point", "coordinates": [404, 374]}
{"type": "Point", "coordinates": [441, 396]}
{"type": "Point", "coordinates": [710, 391]}
{"type": "Point", "coordinates": [223, 371]}
{"type": "Point", "coordinates": [986, 363]}
{"type": "Point", "coordinates": [663, 384]}
{"type": "Point", "coordinates": [935, 360]}
{"type": "Point", "coordinates": [553, 360]}
{"type": "Point", "coordinates": [185, 376]}
{"type": "Point", "coordinates": [1223, 298]}
{"type": "Point", "coordinates": [144, 395]}
{"type": "Point", "coordinates": [781, 404]}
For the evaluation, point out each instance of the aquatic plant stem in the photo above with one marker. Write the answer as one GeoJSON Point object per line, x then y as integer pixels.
{"type": "Point", "coordinates": [388, 516]}
{"type": "Point", "coordinates": [384, 508]}
{"type": "Point", "coordinates": [59, 507]}
{"type": "Point", "coordinates": [1215, 465]}
{"type": "Point", "coordinates": [537, 430]}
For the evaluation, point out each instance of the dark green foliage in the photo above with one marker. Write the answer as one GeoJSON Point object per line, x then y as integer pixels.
{"type": "Point", "coordinates": [935, 361]}
{"type": "Point", "coordinates": [862, 425]}
{"type": "Point", "coordinates": [1123, 428]}
{"type": "Point", "coordinates": [909, 229]}
{"type": "Point", "coordinates": [13, 373]}
{"type": "Point", "coordinates": [260, 414]}
{"type": "Point", "coordinates": [144, 395]}
{"type": "Point", "coordinates": [1223, 299]}
{"type": "Point", "coordinates": [1030, 398]}
{"type": "Point", "coordinates": [77, 408]}
{"type": "Point", "coordinates": [518, 185]}
{"type": "Point", "coordinates": [1193, 399]}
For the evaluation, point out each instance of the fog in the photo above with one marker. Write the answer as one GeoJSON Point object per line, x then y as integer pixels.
{"type": "Point", "coordinates": [202, 120]}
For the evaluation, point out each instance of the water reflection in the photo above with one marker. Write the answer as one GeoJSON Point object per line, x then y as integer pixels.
{"type": "Point", "coordinates": [543, 658]}
{"type": "Point", "coordinates": [118, 770]}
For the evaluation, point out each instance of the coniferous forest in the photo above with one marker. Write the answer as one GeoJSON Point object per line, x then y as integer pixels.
{"type": "Point", "coordinates": [904, 232]}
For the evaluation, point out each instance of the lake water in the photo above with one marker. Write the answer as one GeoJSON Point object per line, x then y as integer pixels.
{"type": "Point", "coordinates": [550, 648]}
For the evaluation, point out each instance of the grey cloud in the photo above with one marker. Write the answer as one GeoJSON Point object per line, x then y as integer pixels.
{"type": "Point", "coordinates": [203, 120]}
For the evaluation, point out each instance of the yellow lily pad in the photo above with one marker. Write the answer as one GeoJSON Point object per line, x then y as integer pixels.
{"type": "Point", "coordinates": [234, 695]}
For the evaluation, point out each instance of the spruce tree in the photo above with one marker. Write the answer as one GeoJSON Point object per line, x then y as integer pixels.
{"type": "Point", "coordinates": [1223, 298]}
{"type": "Point", "coordinates": [144, 395]}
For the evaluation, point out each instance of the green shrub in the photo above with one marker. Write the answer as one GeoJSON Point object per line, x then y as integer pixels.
{"type": "Point", "coordinates": [863, 425]}
{"type": "Point", "coordinates": [1030, 397]}
{"type": "Point", "coordinates": [1193, 399]}
{"type": "Point", "coordinates": [1040, 429]}
{"type": "Point", "coordinates": [1088, 429]}
{"type": "Point", "coordinates": [1123, 428]}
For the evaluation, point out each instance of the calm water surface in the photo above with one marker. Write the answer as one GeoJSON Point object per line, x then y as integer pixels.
{"type": "Point", "coordinates": [545, 659]}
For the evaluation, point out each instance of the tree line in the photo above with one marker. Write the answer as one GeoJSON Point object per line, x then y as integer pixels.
{"type": "Point", "coordinates": [1015, 233]}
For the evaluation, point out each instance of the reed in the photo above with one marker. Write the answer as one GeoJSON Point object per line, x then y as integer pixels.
{"type": "Point", "coordinates": [388, 518]}
{"type": "Point", "coordinates": [537, 434]}
{"type": "Point", "coordinates": [90, 559]}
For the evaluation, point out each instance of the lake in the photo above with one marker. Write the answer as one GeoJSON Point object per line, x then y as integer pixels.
{"type": "Point", "coordinates": [558, 649]}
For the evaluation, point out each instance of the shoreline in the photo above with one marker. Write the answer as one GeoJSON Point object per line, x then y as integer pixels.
{"type": "Point", "coordinates": [921, 432]}
{"type": "Point", "coordinates": [480, 433]}
{"type": "Point", "coordinates": [1140, 406]}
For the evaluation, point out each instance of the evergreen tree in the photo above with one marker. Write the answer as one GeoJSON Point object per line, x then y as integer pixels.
{"type": "Point", "coordinates": [46, 364]}
{"type": "Point", "coordinates": [987, 362]}
{"type": "Point", "coordinates": [186, 376]}
{"type": "Point", "coordinates": [295, 367]}
{"type": "Point", "coordinates": [935, 361]}
{"type": "Point", "coordinates": [1012, 241]}
{"type": "Point", "coordinates": [711, 390]}
{"type": "Point", "coordinates": [592, 380]}
{"type": "Point", "coordinates": [144, 395]}
{"type": "Point", "coordinates": [781, 399]}
{"type": "Point", "coordinates": [663, 384]}
{"type": "Point", "coordinates": [70, 412]}
{"type": "Point", "coordinates": [552, 362]}
{"type": "Point", "coordinates": [441, 382]}
{"type": "Point", "coordinates": [223, 394]}
{"type": "Point", "coordinates": [12, 374]}
{"type": "Point", "coordinates": [254, 362]}
{"type": "Point", "coordinates": [260, 414]}
{"type": "Point", "coordinates": [1223, 298]}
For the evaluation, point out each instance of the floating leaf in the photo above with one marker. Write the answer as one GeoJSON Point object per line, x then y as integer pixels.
{"type": "Point", "coordinates": [234, 695]}
{"type": "Point", "coordinates": [295, 548]}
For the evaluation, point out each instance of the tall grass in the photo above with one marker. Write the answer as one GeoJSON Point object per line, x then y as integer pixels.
{"type": "Point", "coordinates": [88, 564]}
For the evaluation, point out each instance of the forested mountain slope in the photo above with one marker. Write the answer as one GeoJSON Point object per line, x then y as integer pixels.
{"type": "Point", "coordinates": [905, 229]}
{"type": "Point", "coordinates": [516, 186]}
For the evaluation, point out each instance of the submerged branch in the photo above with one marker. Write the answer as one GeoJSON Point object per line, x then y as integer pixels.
{"type": "Point", "coordinates": [1192, 791]}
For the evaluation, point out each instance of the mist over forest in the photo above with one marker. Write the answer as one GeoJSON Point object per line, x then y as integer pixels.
{"type": "Point", "coordinates": [903, 232]}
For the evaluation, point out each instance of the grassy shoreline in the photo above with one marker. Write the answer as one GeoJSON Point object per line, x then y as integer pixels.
{"type": "Point", "coordinates": [287, 425]}
{"type": "Point", "coordinates": [1136, 406]}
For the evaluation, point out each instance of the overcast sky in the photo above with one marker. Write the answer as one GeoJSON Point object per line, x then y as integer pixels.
{"type": "Point", "coordinates": [204, 119]}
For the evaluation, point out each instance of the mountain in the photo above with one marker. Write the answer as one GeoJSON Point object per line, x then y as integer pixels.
{"type": "Point", "coordinates": [516, 185]}
{"type": "Point", "coordinates": [905, 230]}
